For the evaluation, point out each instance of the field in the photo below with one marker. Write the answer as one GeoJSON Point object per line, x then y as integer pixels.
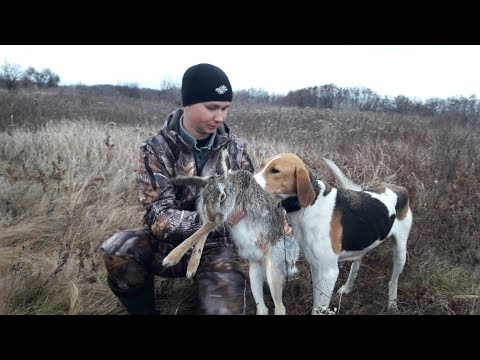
{"type": "Point", "coordinates": [67, 182]}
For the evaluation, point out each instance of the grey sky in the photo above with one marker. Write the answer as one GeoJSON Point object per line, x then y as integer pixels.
{"type": "Point", "coordinates": [421, 71]}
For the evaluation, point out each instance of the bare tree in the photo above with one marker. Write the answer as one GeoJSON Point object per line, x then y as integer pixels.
{"type": "Point", "coordinates": [28, 77]}
{"type": "Point", "coordinates": [50, 78]}
{"type": "Point", "coordinates": [10, 76]}
{"type": "Point", "coordinates": [42, 79]}
{"type": "Point", "coordinates": [170, 91]}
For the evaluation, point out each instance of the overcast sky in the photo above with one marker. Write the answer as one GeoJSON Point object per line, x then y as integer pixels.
{"type": "Point", "coordinates": [421, 71]}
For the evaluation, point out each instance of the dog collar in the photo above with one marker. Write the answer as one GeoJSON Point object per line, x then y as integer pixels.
{"type": "Point", "coordinates": [290, 204]}
{"type": "Point", "coordinates": [316, 187]}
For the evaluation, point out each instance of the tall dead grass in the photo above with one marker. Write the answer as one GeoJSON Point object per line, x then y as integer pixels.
{"type": "Point", "coordinates": [69, 184]}
{"type": "Point", "coordinates": [64, 189]}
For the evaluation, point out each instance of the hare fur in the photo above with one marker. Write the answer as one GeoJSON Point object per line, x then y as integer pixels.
{"type": "Point", "coordinates": [258, 235]}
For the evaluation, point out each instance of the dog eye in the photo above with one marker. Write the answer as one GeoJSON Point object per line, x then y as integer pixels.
{"type": "Point", "coordinates": [222, 197]}
{"type": "Point", "coordinates": [274, 171]}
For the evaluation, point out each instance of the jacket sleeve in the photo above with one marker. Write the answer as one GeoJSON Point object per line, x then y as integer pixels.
{"type": "Point", "coordinates": [243, 156]}
{"type": "Point", "coordinates": [163, 211]}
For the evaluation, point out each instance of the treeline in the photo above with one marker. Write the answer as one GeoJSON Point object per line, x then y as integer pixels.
{"type": "Point", "coordinates": [363, 99]}
{"type": "Point", "coordinates": [12, 77]}
{"type": "Point", "coordinates": [329, 96]}
{"type": "Point", "coordinates": [320, 97]}
{"type": "Point", "coordinates": [336, 98]}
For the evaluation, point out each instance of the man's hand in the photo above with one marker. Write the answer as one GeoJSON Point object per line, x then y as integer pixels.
{"type": "Point", "coordinates": [236, 217]}
{"type": "Point", "coordinates": [287, 229]}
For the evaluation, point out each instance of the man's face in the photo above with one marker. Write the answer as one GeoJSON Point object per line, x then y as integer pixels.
{"type": "Point", "coordinates": [203, 119]}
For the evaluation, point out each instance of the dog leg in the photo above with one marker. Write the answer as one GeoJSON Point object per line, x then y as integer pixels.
{"type": "Point", "coordinates": [348, 286]}
{"type": "Point", "coordinates": [400, 236]}
{"type": "Point", "coordinates": [399, 258]}
{"type": "Point", "coordinates": [323, 281]}
{"type": "Point", "coordinates": [275, 283]}
{"type": "Point", "coordinates": [257, 277]}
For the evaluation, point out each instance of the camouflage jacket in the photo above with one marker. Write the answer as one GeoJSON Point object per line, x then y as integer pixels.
{"type": "Point", "coordinates": [170, 210]}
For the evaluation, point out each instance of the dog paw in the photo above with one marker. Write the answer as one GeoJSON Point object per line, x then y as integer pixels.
{"type": "Point", "coordinates": [280, 310]}
{"type": "Point", "coordinates": [393, 309]}
{"type": "Point", "coordinates": [262, 310]}
{"type": "Point", "coordinates": [345, 289]}
{"type": "Point", "coordinates": [324, 310]}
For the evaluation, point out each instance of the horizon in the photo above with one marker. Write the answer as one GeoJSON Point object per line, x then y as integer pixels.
{"type": "Point", "coordinates": [416, 71]}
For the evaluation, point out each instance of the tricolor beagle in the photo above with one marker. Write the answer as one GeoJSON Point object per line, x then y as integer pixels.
{"type": "Point", "coordinates": [338, 224]}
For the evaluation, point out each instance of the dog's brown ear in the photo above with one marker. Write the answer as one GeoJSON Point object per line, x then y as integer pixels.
{"type": "Point", "coordinates": [305, 192]}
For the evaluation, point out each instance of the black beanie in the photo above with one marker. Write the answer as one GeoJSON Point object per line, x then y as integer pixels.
{"type": "Point", "coordinates": [205, 82]}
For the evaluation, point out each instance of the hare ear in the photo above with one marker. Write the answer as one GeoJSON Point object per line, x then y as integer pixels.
{"type": "Point", "coordinates": [223, 165]}
{"type": "Point", "coordinates": [196, 181]}
{"type": "Point", "coordinates": [305, 192]}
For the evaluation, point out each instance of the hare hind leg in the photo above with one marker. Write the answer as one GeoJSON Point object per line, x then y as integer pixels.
{"type": "Point", "coordinates": [176, 254]}
{"type": "Point", "coordinates": [196, 256]}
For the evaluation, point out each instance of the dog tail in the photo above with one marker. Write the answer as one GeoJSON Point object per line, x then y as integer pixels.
{"type": "Point", "coordinates": [342, 179]}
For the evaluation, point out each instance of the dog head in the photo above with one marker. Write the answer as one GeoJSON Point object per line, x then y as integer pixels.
{"type": "Point", "coordinates": [285, 176]}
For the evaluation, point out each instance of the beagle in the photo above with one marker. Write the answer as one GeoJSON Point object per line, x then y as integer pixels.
{"type": "Point", "coordinates": [338, 224]}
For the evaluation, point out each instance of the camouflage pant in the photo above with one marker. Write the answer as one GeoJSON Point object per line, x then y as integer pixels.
{"type": "Point", "coordinates": [132, 256]}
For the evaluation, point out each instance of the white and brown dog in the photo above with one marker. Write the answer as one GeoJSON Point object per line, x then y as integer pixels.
{"type": "Point", "coordinates": [338, 224]}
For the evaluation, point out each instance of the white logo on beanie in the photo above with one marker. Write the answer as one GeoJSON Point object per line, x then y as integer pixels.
{"type": "Point", "coordinates": [221, 89]}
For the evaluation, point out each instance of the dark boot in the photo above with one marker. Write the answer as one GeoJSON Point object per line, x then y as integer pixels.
{"type": "Point", "coordinates": [139, 300]}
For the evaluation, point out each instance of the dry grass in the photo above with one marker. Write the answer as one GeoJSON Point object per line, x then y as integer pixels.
{"type": "Point", "coordinates": [64, 189]}
{"type": "Point", "coordinates": [68, 184]}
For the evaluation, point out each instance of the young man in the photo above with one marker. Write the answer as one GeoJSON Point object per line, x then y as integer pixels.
{"type": "Point", "coordinates": [188, 144]}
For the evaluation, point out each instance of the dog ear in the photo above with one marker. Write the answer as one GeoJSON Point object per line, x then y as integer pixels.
{"type": "Point", "coordinates": [306, 194]}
